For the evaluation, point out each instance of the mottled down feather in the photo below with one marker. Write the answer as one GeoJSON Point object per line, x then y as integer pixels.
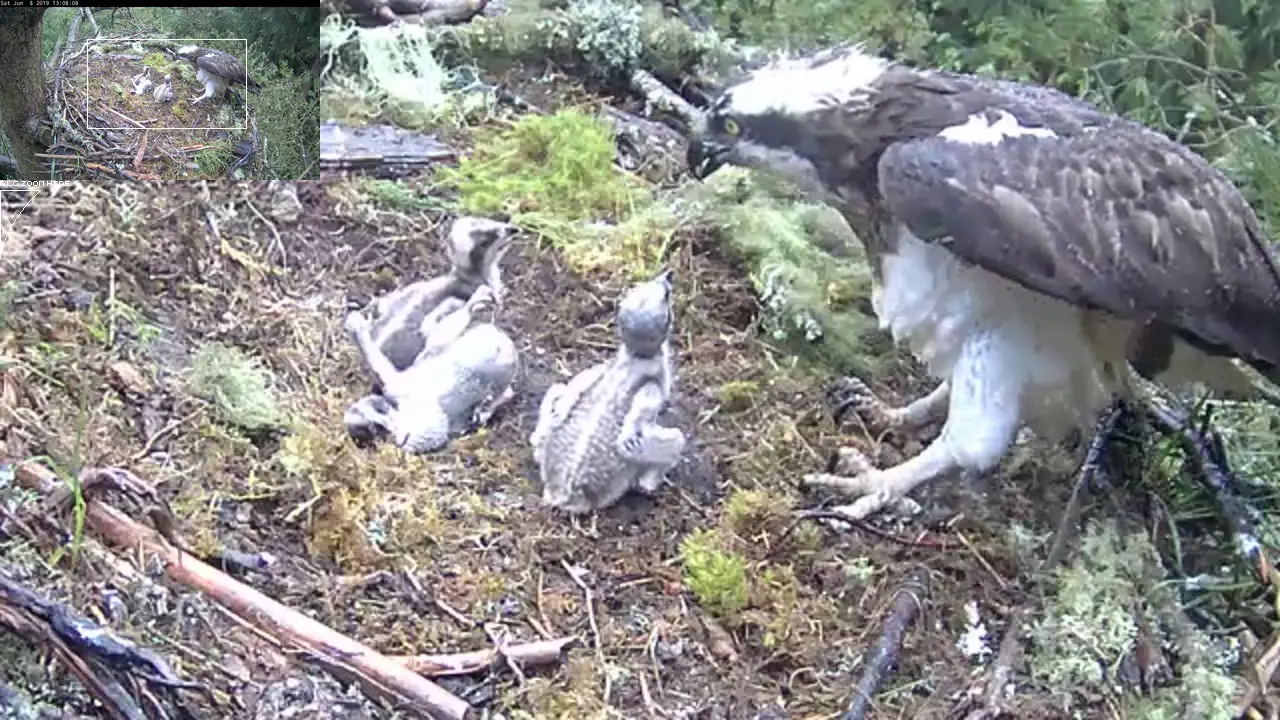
{"type": "Point", "coordinates": [581, 453]}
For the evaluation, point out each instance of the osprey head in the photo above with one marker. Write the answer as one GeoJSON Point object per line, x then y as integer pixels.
{"type": "Point", "coordinates": [479, 243]}
{"type": "Point", "coordinates": [769, 120]}
{"type": "Point", "coordinates": [369, 419]}
{"type": "Point", "coordinates": [644, 315]}
{"type": "Point", "coordinates": [188, 51]}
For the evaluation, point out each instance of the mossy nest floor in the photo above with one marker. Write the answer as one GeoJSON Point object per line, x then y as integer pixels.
{"type": "Point", "coordinates": [466, 522]}
{"type": "Point", "coordinates": [147, 274]}
{"type": "Point", "coordinates": [176, 132]}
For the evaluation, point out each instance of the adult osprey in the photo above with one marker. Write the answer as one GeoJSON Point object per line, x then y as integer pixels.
{"type": "Point", "coordinates": [1025, 245]}
{"type": "Point", "coordinates": [217, 70]}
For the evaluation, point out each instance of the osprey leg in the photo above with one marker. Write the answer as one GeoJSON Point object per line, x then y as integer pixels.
{"type": "Point", "coordinates": [982, 421]}
{"type": "Point", "coordinates": [852, 394]}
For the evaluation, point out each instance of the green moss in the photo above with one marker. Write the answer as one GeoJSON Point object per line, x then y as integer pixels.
{"type": "Point", "coordinates": [1089, 624]}
{"type": "Point", "coordinates": [809, 269]}
{"type": "Point", "coordinates": [394, 195]}
{"type": "Point", "coordinates": [162, 65]}
{"type": "Point", "coordinates": [737, 395]}
{"type": "Point", "coordinates": [237, 385]}
{"type": "Point", "coordinates": [718, 578]}
{"type": "Point", "coordinates": [554, 175]}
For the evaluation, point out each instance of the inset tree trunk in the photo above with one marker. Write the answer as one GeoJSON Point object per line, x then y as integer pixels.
{"type": "Point", "coordinates": [22, 85]}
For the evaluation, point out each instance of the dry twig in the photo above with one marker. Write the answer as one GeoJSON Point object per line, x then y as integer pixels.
{"type": "Point", "coordinates": [908, 603]}
{"type": "Point", "coordinates": [542, 652]}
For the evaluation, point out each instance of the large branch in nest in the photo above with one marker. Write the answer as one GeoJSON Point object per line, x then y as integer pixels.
{"type": "Point", "coordinates": [418, 12]}
{"type": "Point", "coordinates": [664, 99]}
{"type": "Point", "coordinates": [378, 673]}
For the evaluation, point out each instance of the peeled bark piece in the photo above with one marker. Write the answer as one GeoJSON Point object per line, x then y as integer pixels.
{"type": "Point", "coordinates": [543, 652]}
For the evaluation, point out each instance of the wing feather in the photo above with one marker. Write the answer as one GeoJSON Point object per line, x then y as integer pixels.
{"type": "Point", "coordinates": [1120, 219]}
{"type": "Point", "coordinates": [226, 66]}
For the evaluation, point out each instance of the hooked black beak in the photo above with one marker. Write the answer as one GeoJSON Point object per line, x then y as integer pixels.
{"type": "Point", "coordinates": [705, 157]}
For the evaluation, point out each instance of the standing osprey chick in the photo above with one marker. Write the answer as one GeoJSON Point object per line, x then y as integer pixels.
{"type": "Point", "coordinates": [1026, 246]}
{"type": "Point", "coordinates": [217, 70]}
{"type": "Point", "coordinates": [597, 436]}
{"type": "Point", "coordinates": [164, 91]}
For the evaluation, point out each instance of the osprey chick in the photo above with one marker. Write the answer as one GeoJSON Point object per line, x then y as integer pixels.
{"type": "Point", "coordinates": [477, 247]}
{"type": "Point", "coordinates": [164, 91]}
{"type": "Point", "coordinates": [217, 70]}
{"type": "Point", "coordinates": [1026, 246]}
{"type": "Point", "coordinates": [597, 436]}
{"type": "Point", "coordinates": [142, 81]}
{"type": "Point", "coordinates": [460, 379]}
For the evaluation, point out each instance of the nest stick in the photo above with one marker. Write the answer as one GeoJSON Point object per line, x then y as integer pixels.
{"type": "Point", "coordinates": [910, 598]}
{"type": "Point", "coordinates": [657, 94]}
{"type": "Point", "coordinates": [1204, 447]}
{"type": "Point", "coordinates": [116, 702]}
{"type": "Point", "coordinates": [542, 652]}
{"type": "Point", "coordinates": [421, 695]}
{"type": "Point", "coordinates": [126, 117]}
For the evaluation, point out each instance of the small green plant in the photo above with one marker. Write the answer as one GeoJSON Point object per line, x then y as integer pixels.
{"type": "Point", "coordinates": [738, 395]}
{"type": "Point", "coordinates": [214, 158]}
{"type": "Point", "coordinates": [103, 324]}
{"type": "Point", "coordinates": [718, 578]}
{"type": "Point", "coordinates": [395, 196]}
{"type": "Point", "coordinates": [8, 291]}
{"type": "Point", "coordinates": [237, 385]}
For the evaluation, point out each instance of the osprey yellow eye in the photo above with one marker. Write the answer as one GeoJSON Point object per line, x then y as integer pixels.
{"type": "Point", "coordinates": [731, 126]}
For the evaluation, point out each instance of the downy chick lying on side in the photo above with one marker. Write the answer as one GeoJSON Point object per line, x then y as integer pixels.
{"type": "Point", "coordinates": [460, 378]}
{"type": "Point", "coordinates": [142, 81]}
{"type": "Point", "coordinates": [597, 436]}
{"type": "Point", "coordinates": [477, 246]}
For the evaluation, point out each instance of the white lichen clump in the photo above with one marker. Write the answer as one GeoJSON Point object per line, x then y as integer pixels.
{"type": "Point", "coordinates": [608, 34]}
{"type": "Point", "coordinates": [1090, 625]}
{"type": "Point", "coordinates": [973, 641]}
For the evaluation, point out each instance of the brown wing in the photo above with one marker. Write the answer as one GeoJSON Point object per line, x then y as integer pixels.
{"type": "Point", "coordinates": [225, 65]}
{"type": "Point", "coordinates": [1121, 219]}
